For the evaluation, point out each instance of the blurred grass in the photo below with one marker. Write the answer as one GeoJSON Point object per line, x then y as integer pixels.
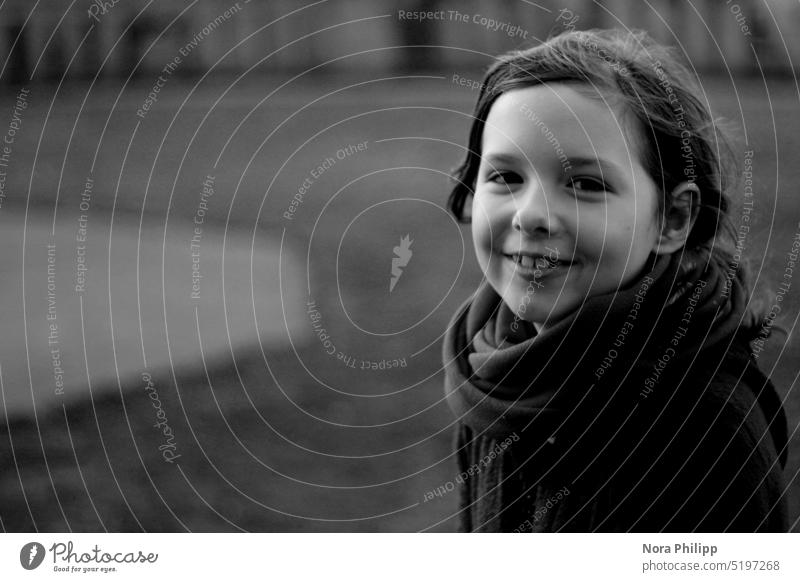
{"type": "Point", "coordinates": [255, 454]}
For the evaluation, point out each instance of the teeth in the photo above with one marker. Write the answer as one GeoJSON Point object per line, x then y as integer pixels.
{"type": "Point", "coordinates": [528, 262]}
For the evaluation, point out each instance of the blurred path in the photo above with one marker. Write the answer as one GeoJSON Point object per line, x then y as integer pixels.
{"type": "Point", "coordinates": [123, 326]}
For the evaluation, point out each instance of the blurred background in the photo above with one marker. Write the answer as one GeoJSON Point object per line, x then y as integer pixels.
{"type": "Point", "coordinates": [199, 207]}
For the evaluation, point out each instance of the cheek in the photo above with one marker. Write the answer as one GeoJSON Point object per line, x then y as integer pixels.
{"type": "Point", "coordinates": [646, 231]}
{"type": "Point", "coordinates": [596, 232]}
{"type": "Point", "coordinates": [479, 226]}
{"type": "Point", "coordinates": [623, 230]}
{"type": "Point", "coordinates": [482, 222]}
{"type": "Point", "coordinates": [629, 241]}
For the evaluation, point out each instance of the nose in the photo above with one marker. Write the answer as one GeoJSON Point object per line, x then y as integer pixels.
{"type": "Point", "coordinates": [534, 215]}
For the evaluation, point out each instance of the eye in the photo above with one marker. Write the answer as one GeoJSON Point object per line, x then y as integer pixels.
{"type": "Point", "coordinates": [504, 177]}
{"type": "Point", "coordinates": [588, 184]}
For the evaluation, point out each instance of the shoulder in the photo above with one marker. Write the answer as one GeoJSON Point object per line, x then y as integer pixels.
{"type": "Point", "coordinates": [747, 408]}
{"type": "Point", "coordinates": [723, 464]}
{"type": "Point", "coordinates": [721, 398]}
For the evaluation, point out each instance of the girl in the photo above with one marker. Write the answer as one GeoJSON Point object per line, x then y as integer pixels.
{"type": "Point", "coordinates": [602, 375]}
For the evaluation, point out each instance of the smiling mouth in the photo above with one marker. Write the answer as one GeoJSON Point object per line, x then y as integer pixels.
{"type": "Point", "coordinates": [536, 262]}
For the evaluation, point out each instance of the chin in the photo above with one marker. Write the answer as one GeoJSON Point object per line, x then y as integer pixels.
{"type": "Point", "coordinates": [548, 315]}
{"type": "Point", "coordinates": [531, 314]}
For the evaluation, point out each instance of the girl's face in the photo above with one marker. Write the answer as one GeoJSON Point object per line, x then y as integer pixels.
{"type": "Point", "coordinates": [563, 210]}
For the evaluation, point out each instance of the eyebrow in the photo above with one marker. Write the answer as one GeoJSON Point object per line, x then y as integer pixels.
{"type": "Point", "coordinates": [594, 161]}
{"type": "Point", "coordinates": [503, 159]}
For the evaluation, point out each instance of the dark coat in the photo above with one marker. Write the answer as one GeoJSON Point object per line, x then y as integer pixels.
{"type": "Point", "coordinates": [712, 466]}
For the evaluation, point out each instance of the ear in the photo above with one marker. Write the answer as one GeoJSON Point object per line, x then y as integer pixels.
{"type": "Point", "coordinates": [682, 206]}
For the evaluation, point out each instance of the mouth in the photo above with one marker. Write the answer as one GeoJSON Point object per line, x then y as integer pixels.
{"type": "Point", "coordinates": [536, 265]}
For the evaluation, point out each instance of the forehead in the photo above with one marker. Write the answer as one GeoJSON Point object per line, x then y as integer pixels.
{"type": "Point", "coordinates": [559, 119]}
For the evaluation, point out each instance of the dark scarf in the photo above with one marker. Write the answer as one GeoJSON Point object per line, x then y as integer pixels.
{"type": "Point", "coordinates": [608, 369]}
